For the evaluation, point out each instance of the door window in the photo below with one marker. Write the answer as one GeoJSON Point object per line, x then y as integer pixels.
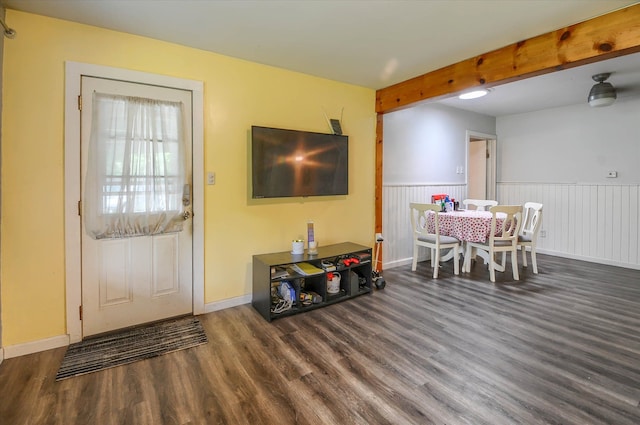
{"type": "Point", "coordinates": [136, 175]}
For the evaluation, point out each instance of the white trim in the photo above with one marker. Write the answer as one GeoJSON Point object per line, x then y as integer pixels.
{"type": "Point", "coordinates": [567, 183]}
{"type": "Point", "coordinates": [492, 139]}
{"type": "Point", "coordinates": [402, 262]}
{"type": "Point", "coordinates": [197, 154]}
{"type": "Point", "coordinates": [73, 279]}
{"type": "Point", "coordinates": [228, 303]}
{"type": "Point", "coordinates": [407, 261]}
{"type": "Point", "coordinates": [479, 135]}
{"type": "Point", "coordinates": [587, 259]}
{"type": "Point", "coordinates": [422, 184]}
{"type": "Point", "coordinates": [73, 73]}
{"type": "Point", "coordinates": [36, 346]}
{"type": "Point", "coordinates": [64, 340]}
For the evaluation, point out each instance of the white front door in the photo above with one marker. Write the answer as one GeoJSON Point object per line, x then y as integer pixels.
{"type": "Point", "coordinates": [133, 280]}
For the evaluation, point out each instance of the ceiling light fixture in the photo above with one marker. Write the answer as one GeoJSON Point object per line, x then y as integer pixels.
{"type": "Point", "coordinates": [602, 94]}
{"type": "Point", "coordinates": [473, 94]}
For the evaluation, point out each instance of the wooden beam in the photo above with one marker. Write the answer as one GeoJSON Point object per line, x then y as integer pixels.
{"type": "Point", "coordinates": [607, 36]}
{"type": "Point", "coordinates": [604, 37]}
{"type": "Point", "coordinates": [378, 189]}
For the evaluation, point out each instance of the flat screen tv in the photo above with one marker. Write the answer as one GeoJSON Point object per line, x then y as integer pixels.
{"type": "Point", "coordinates": [288, 163]}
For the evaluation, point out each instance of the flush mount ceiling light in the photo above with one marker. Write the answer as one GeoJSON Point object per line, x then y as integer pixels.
{"type": "Point", "coordinates": [473, 94]}
{"type": "Point", "coordinates": [602, 94]}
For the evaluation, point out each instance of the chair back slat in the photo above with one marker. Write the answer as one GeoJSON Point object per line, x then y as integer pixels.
{"type": "Point", "coordinates": [479, 204]}
{"type": "Point", "coordinates": [532, 219]}
{"type": "Point", "coordinates": [505, 223]}
{"type": "Point", "coordinates": [420, 219]}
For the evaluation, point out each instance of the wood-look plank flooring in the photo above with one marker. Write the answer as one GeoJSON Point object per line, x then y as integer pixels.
{"type": "Point", "coordinates": [560, 347]}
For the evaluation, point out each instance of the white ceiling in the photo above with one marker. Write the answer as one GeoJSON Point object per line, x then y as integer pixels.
{"type": "Point", "coordinates": [561, 88]}
{"type": "Point", "coordinates": [371, 43]}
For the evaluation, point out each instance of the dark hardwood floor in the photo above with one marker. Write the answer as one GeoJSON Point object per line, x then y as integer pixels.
{"type": "Point", "coordinates": [560, 347]}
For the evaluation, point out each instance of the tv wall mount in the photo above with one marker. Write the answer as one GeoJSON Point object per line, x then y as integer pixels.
{"type": "Point", "coordinates": [334, 123]}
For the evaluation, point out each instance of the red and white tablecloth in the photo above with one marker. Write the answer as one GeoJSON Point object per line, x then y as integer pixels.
{"type": "Point", "coordinates": [467, 225]}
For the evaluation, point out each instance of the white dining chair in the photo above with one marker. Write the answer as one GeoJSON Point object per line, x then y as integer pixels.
{"type": "Point", "coordinates": [478, 204]}
{"type": "Point", "coordinates": [529, 232]}
{"type": "Point", "coordinates": [434, 241]}
{"type": "Point", "coordinates": [506, 221]}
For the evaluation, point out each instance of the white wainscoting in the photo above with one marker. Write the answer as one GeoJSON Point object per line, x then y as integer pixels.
{"type": "Point", "coordinates": [593, 222]}
{"type": "Point", "coordinates": [396, 223]}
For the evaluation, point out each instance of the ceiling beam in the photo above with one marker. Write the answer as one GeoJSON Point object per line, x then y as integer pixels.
{"type": "Point", "coordinates": [604, 37]}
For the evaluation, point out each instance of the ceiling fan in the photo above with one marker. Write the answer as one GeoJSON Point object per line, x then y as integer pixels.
{"type": "Point", "coordinates": [602, 93]}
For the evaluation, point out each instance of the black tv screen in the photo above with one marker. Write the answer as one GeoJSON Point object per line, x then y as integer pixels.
{"type": "Point", "coordinates": [289, 163]}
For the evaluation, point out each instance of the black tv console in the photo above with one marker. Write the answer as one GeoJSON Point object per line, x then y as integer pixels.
{"type": "Point", "coordinates": [271, 271]}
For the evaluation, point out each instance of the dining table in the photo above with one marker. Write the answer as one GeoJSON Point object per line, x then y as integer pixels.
{"type": "Point", "coordinates": [466, 226]}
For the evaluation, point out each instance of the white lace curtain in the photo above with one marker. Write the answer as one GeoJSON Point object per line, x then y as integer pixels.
{"type": "Point", "coordinates": [135, 178]}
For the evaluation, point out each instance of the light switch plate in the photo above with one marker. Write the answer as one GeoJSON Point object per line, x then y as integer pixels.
{"type": "Point", "coordinates": [211, 177]}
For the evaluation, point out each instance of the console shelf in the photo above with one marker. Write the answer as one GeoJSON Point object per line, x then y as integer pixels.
{"type": "Point", "coordinates": [310, 291]}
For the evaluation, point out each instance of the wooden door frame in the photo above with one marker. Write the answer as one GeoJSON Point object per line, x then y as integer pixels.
{"type": "Point", "coordinates": [73, 258]}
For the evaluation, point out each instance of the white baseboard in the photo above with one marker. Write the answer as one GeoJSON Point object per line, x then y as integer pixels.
{"type": "Point", "coordinates": [589, 259]}
{"type": "Point", "coordinates": [35, 346]}
{"type": "Point", "coordinates": [63, 340]}
{"type": "Point", "coordinates": [405, 261]}
{"type": "Point", "coordinates": [228, 303]}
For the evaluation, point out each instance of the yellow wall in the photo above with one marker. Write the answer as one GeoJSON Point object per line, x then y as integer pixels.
{"type": "Point", "coordinates": [237, 94]}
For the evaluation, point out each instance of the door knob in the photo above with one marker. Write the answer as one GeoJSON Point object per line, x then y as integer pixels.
{"type": "Point", "coordinates": [186, 215]}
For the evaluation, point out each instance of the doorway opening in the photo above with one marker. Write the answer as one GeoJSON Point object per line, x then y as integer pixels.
{"type": "Point", "coordinates": [481, 166]}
